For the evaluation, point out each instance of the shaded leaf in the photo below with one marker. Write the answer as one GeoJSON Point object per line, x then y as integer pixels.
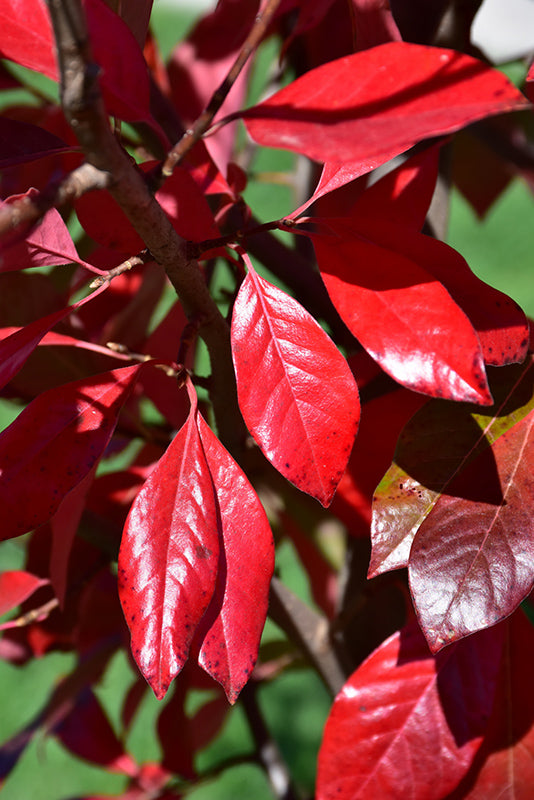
{"type": "Point", "coordinates": [373, 105]}
{"type": "Point", "coordinates": [16, 586]}
{"type": "Point", "coordinates": [432, 449]}
{"type": "Point", "coordinates": [296, 391]}
{"type": "Point", "coordinates": [168, 557]}
{"type": "Point", "coordinates": [48, 243]}
{"type": "Point", "coordinates": [504, 766]}
{"type": "Point", "coordinates": [54, 443]}
{"type": "Point", "coordinates": [407, 724]}
{"type": "Point", "coordinates": [472, 560]}
{"type": "Point", "coordinates": [232, 626]}
{"type": "Point", "coordinates": [404, 317]}
{"type": "Point", "coordinates": [16, 347]}
{"type": "Point", "coordinates": [21, 142]}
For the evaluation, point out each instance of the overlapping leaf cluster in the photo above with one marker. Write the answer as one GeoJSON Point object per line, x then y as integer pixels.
{"type": "Point", "coordinates": [416, 343]}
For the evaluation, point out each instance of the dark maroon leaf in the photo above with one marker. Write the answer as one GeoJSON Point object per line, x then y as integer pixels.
{"type": "Point", "coordinates": [69, 428]}
{"type": "Point", "coordinates": [21, 142]}
{"type": "Point", "coordinates": [296, 391]}
{"type": "Point", "coordinates": [232, 626]}
{"type": "Point", "coordinates": [433, 448]}
{"type": "Point", "coordinates": [169, 557]}
{"type": "Point", "coordinates": [407, 724]}
{"type": "Point", "coordinates": [373, 105]}
{"type": "Point", "coordinates": [472, 560]}
{"type": "Point", "coordinates": [503, 768]}
{"type": "Point", "coordinates": [402, 315]}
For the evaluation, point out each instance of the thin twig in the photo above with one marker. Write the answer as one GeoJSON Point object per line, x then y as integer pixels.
{"type": "Point", "coordinates": [310, 631]}
{"type": "Point", "coordinates": [84, 109]}
{"type": "Point", "coordinates": [34, 615]}
{"type": "Point", "coordinates": [22, 214]}
{"type": "Point", "coordinates": [267, 749]}
{"type": "Point", "coordinates": [203, 122]}
{"type": "Point", "coordinates": [144, 257]}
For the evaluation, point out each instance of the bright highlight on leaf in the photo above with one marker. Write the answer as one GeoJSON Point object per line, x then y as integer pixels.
{"type": "Point", "coordinates": [185, 568]}
{"type": "Point", "coordinates": [296, 391]}
{"type": "Point", "coordinates": [371, 106]}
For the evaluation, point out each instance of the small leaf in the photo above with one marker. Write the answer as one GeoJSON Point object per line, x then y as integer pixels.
{"type": "Point", "coordinates": [404, 317]}
{"type": "Point", "coordinates": [48, 243]}
{"type": "Point", "coordinates": [296, 391]}
{"type": "Point", "coordinates": [168, 557]}
{"type": "Point", "coordinates": [472, 559]}
{"type": "Point", "coordinates": [407, 724]}
{"type": "Point", "coordinates": [370, 106]}
{"type": "Point", "coordinates": [16, 586]}
{"type": "Point", "coordinates": [54, 443]}
{"type": "Point", "coordinates": [232, 626]}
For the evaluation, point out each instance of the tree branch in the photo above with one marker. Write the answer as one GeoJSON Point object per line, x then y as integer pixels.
{"type": "Point", "coordinates": [84, 109]}
{"type": "Point", "coordinates": [201, 125]}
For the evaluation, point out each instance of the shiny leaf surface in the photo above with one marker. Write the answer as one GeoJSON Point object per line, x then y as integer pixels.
{"type": "Point", "coordinates": [296, 391]}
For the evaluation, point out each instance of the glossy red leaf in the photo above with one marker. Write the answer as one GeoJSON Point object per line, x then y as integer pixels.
{"type": "Point", "coordinates": [48, 243]}
{"type": "Point", "coordinates": [16, 586]}
{"type": "Point", "coordinates": [296, 391]}
{"type": "Point", "coordinates": [54, 443]}
{"type": "Point", "coordinates": [373, 105]}
{"type": "Point", "coordinates": [407, 724]}
{"type": "Point", "coordinates": [504, 766]}
{"type": "Point", "coordinates": [472, 560]}
{"type": "Point", "coordinates": [232, 626]}
{"type": "Point", "coordinates": [169, 557]}
{"type": "Point", "coordinates": [433, 448]}
{"type": "Point", "coordinates": [404, 317]}
{"type": "Point", "coordinates": [123, 76]}
{"type": "Point", "coordinates": [500, 323]}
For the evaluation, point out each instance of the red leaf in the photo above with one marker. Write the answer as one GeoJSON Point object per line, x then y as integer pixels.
{"type": "Point", "coordinates": [232, 626]}
{"type": "Point", "coordinates": [168, 557]}
{"type": "Point", "coordinates": [405, 319]}
{"type": "Point", "coordinates": [373, 105]}
{"type": "Point", "coordinates": [16, 347]}
{"type": "Point", "coordinates": [16, 586]}
{"type": "Point", "coordinates": [21, 142]}
{"type": "Point", "coordinates": [296, 391]}
{"type": "Point", "coordinates": [500, 323]}
{"type": "Point", "coordinates": [472, 560]}
{"type": "Point", "coordinates": [53, 444]}
{"type": "Point", "coordinates": [123, 76]}
{"type": "Point", "coordinates": [406, 724]}
{"type": "Point", "coordinates": [49, 243]}
{"type": "Point", "coordinates": [434, 447]}
{"type": "Point", "coordinates": [87, 732]}
{"type": "Point", "coordinates": [504, 766]}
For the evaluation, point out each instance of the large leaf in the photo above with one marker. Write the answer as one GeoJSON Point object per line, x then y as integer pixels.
{"type": "Point", "coordinates": [296, 391]}
{"type": "Point", "coordinates": [407, 724]}
{"type": "Point", "coordinates": [53, 444]}
{"type": "Point", "coordinates": [232, 626]}
{"type": "Point", "coordinates": [169, 556]}
{"type": "Point", "coordinates": [373, 105]}
{"type": "Point", "coordinates": [404, 317]}
{"type": "Point", "coordinates": [432, 449]}
{"type": "Point", "coordinates": [504, 766]}
{"type": "Point", "coordinates": [472, 559]}
{"type": "Point", "coordinates": [123, 76]}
